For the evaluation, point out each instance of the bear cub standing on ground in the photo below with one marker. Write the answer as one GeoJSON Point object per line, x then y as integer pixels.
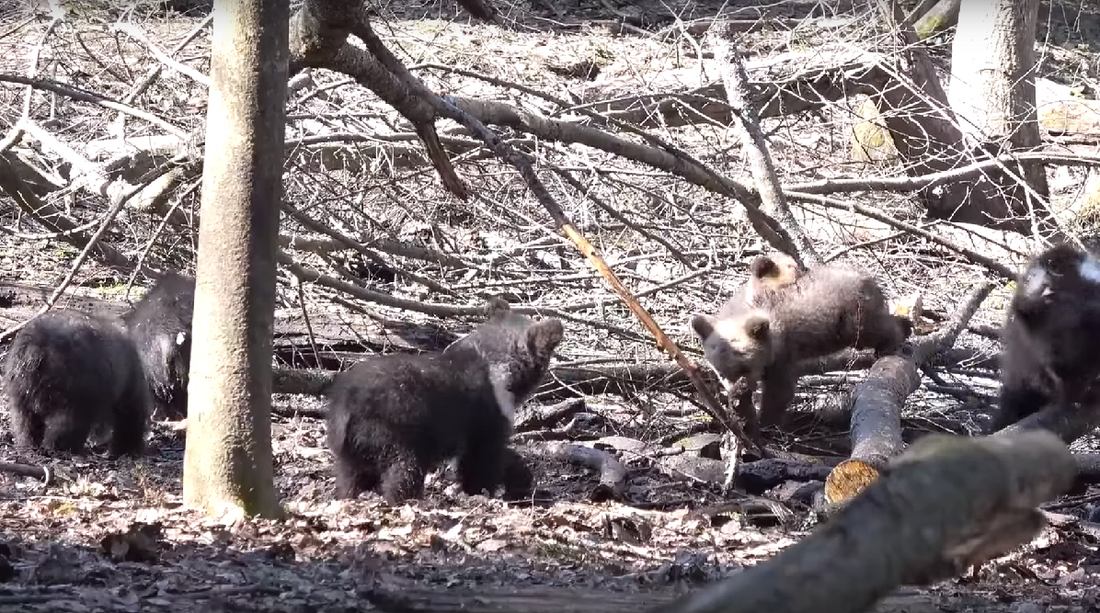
{"type": "Point", "coordinates": [1050, 334]}
{"type": "Point", "coordinates": [392, 419]}
{"type": "Point", "coordinates": [823, 310]}
{"type": "Point", "coordinates": [68, 373]}
{"type": "Point", "coordinates": [160, 324]}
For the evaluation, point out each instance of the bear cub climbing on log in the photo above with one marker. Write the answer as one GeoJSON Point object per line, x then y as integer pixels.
{"type": "Point", "coordinates": [1050, 334]}
{"type": "Point", "coordinates": [824, 310]}
{"type": "Point", "coordinates": [160, 324]}
{"type": "Point", "coordinates": [392, 419]}
{"type": "Point", "coordinates": [68, 373]}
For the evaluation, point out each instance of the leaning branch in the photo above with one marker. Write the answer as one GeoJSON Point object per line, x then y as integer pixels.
{"type": "Point", "coordinates": [755, 150]}
{"type": "Point", "coordinates": [522, 163]}
{"type": "Point", "coordinates": [318, 38]}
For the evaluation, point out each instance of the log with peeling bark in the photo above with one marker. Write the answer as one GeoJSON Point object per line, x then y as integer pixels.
{"type": "Point", "coordinates": [1088, 467]}
{"type": "Point", "coordinates": [752, 477]}
{"type": "Point", "coordinates": [311, 382]}
{"type": "Point", "coordinates": [877, 402]}
{"type": "Point", "coordinates": [762, 475]}
{"type": "Point", "coordinates": [533, 417]}
{"type": "Point", "coordinates": [948, 503]}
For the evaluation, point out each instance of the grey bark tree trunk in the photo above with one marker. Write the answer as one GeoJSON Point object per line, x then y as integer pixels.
{"type": "Point", "coordinates": [228, 462]}
{"type": "Point", "coordinates": [992, 89]}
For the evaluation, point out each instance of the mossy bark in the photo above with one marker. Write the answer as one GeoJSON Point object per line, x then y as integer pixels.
{"type": "Point", "coordinates": [939, 18]}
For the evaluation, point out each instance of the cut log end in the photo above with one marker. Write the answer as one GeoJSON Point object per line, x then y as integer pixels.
{"type": "Point", "coordinates": [848, 479]}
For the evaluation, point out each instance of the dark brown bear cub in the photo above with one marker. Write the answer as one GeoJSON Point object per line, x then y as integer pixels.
{"type": "Point", "coordinates": [1051, 334]}
{"type": "Point", "coordinates": [160, 324]}
{"type": "Point", "coordinates": [826, 309]}
{"type": "Point", "coordinates": [68, 373]}
{"type": "Point", "coordinates": [392, 419]}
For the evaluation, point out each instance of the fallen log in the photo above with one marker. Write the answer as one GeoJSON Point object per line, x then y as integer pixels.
{"type": "Point", "coordinates": [627, 379]}
{"type": "Point", "coordinates": [946, 504]}
{"type": "Point", "coordinates": [1068, 422]}
{"type": "Point", "coordinates": [1088, 467]}
{"type": "Point", "coordinates": [534, 416]}
{"type": "Point", "coordinates": [877, 402]}
{"type": "Point", "coordinates": [311, 382]}
{"type": "Point", "coordinates": [762, 475]}
{"type": "Point", "coordinates": [704, 470]}
{"type": "Point", "coordinates": [612, 473]}
{"type": "Point", "coordinates": [26, 470]}
{"type": "Point", "coordinates": [783, 85]}
{"type": "Point", "coordinates": [406, 596]}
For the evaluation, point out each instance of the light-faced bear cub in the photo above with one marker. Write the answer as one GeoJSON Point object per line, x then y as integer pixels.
{"type": "Point", "coordinates": [824, 310]}
{"type": "Point", "coordinates": [392, 419]}
{"type": "Point", "coordinates": [1051, 334]}
{"type": "Point", "coordinates": [160, 324]}
{"type": "Point", "coordinates": [67, 374]}
{"type": "Point", "coordinates": [770, 273]}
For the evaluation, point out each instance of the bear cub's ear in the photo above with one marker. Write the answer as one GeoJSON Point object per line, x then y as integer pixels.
{"type": "Point", "coordinates": [757, 327]}
{"type": "Point", "coordinates": [703, 326]}
{"type": "Point", "coordinates": [543, 337]}
{"type": "Point", "coordinates": [496, 306]}
{"type": "Point", "coordinates": [763, 266]}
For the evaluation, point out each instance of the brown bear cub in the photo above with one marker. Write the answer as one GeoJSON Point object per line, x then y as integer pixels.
{"type": "Point", "coordinates": [67, 374]}
{"type": "Point", "coordinates": [160, 324]}
{"type": "Point", "coordinates": [1050, 335]}
{"type": "Point", "coordinates": [392, 419]}
{"type": "Point", "coordinates": [824, 310]}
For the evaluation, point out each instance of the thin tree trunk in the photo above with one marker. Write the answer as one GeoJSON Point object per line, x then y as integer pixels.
{"type": "Point", "coordinates": [227, 462]}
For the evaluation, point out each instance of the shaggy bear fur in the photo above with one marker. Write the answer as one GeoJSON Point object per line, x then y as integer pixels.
{"type": "Point", "coordinates": [160, 324]}
{"type": "Point", "coordinates": [1051, 334]}
{"type": "Point", "coordinates": [68, 373]}
{"type": "Point", "coordinates": [824, 310]}
{"type": "Point", "coordinates": [392, 419]}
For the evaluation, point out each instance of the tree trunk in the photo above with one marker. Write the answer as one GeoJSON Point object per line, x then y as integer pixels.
{"type": "Point", "coordinates": [993, 88]}
{"type": "Point", "coordinates": [227, 462]}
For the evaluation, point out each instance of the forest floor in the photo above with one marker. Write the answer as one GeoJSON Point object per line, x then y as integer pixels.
{"type": "Point", "coordinates": [114, 536]}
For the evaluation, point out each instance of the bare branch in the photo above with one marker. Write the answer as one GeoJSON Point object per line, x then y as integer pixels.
{"type": "Point", "coordinates": [789, 232]}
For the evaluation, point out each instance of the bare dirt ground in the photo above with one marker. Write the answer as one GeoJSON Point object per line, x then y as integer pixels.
{"type": "Point", "coordinates": [113, 536]}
